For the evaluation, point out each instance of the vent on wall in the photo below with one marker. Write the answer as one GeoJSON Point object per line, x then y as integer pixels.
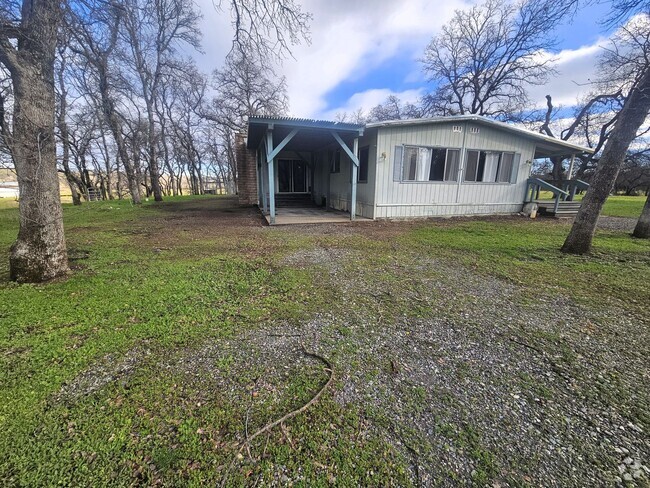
{"type": "Point", "coordinates": [457, 128]}
{"type": "Point", "coordinates": [474, 130]}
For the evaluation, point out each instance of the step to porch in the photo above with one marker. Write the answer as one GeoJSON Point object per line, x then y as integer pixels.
{"type": "Point", "coordinates": [565, 209]}
{"type": "Point", "coordinates": [293, 200]}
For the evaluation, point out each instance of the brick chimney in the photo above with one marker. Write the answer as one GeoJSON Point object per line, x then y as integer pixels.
{"type": "Point", "coordinates": [246, 171]}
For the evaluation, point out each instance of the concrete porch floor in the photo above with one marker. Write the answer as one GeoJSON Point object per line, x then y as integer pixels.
{"type": "Point", "coordinates": [300, 215]}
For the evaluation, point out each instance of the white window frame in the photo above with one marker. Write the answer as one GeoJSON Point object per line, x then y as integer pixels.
{"type": "Point", "coordinates": [405, 147]}
{"type": "Point", "coordinates": [498, 171]}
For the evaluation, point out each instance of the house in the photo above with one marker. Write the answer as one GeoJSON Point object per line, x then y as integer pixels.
{"type": "Point", "coordinates": [442, 166]}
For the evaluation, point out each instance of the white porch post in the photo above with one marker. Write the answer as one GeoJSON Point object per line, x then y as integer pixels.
{"type": "Point", "coordinates": [571, 164]}
{"type": "Point", "coordinates": [265, 186]}
{"type": "Point", "coordinates": [354, 157]}
{"type": "Point", "coordinates": [271, 154]}
{"type": "Point", "coordinates": [271, 174]}
{"type": "Point", "coordinates": [355, 170]}
{"type": "Point", "coordinates": [263, 177]}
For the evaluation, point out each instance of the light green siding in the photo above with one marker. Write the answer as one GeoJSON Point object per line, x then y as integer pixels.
{"type": "Point", "coordinates": [396, 199]}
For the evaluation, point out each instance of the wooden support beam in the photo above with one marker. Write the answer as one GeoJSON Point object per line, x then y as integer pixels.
{"type": "Point", "coordinates": [264, 175]}
{"type": "Point", "coordinates": [347, 150]}
{"type": "Point", "coordinates": [271, 177]}
{"type": "Point", "coordinates": [285, 141]}
{"type": "Point", "coordinates": [571, 164]}
{"type": "Point", "coordinates": [355, 169]}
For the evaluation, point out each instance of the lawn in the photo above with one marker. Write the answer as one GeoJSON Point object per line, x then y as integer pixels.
{"type": "Point", "coordinates": [462, 351]}
{"type": "Point", "coordinates": [615, 206]}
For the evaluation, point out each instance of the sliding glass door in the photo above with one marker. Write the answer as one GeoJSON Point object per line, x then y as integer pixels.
{"type": "Point", "coordinates": [292, 176]}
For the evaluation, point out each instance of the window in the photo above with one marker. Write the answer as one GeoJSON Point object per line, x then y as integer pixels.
{"type": "Point", "coordinates": [430, 164]}
{"type": "Point", "coordinates": [474, 130]}
{"type": "Point", "coordinates": [335, 161]}
{"type": "Point", "coordinates": [364, 154]}
{"type": "Point", "coordinates": [489, 167]}
{"type": "Point", "coordinates": [457, 128]}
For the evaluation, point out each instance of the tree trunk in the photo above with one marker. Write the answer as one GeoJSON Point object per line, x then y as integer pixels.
{"type": "Point", "coordinates": [631, 116]}
{"type": "Point", "coordinates": [118, 181]}
{"type": "Point", "coordinates": [39, 253]}
{"type": "Point", "coordinates": [114, 124]}
{"type": "Point", "coordinates": [107, 165]}
{"type": "Point", "coordinates": [642, 228]}
{"type": "Point", "coordinates": [73, 183]}
{"type": "Point", "coordinates": [558, 171]}
{"type": "Point", "coordinates": [154, 170]}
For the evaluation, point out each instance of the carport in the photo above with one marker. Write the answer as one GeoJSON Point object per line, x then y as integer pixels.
{"type": "Point", "coordinates": [286, 163]}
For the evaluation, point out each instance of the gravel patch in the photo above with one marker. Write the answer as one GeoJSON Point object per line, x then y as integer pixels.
{"type": "Point", "coordinates": [500, 387]}
{"type": "Point", "coordinates": [622, 224]}
{"type": "Point", "coordinates": [110, 368]}
{"type": "Point", "coordinates": [490, 386]}
{"type": "Point", "coordinates": [330, 258]}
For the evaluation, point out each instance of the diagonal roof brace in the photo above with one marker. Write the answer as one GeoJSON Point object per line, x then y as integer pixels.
{"type": "Point", "coordinates": [271, 155]}
{"type": "Point", "coordinates": [345, 147]}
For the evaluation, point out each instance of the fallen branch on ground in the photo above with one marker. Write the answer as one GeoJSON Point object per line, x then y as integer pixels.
{"type": "Point", "coordinates": [288, 416]}
{"type": "Point", "coordinates": [554, 366]}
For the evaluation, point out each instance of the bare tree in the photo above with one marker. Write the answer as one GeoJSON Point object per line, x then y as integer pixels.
{"type": "Point", "coordinates": [592, 123]}
{"type": "Point", "coordinates": [96, 42]}
{"type": "Point", "coordinates": [393, 109]}
{"type": "Point", "coordinates": [623, 60]}
{"type": "Point", "coordinates": [245, 88]}
{"type": "Point", "coordinates": [154, 28]}
{"type": "Point", "coordinates": [634, 176]}
{"type": "Point", "coordinates": [267, 29]}
{"type": "Point", "coordinates": [27, 50]}
{"type": "Point", "coordinates": [74, 182]}
{"type": "Point", "coordinates": [485, 57]}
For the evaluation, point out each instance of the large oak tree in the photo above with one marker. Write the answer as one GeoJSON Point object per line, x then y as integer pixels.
{"type": "Point", "coordinates": [629, 58]}
{"type": "Point", "coordinates": [28, 39]}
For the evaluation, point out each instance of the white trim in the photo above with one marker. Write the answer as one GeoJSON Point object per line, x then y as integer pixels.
{"type": "Point", "coordinates": [444, 204]}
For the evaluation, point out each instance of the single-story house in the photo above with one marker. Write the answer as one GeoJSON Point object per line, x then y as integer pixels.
{"type": "Point", "coordinates": [441, 166]}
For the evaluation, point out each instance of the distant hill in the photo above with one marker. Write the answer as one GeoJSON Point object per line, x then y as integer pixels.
{"type": "Point", "coordinates": [7, 176]}
{"type": "Point", "coordinates": [9, 185]}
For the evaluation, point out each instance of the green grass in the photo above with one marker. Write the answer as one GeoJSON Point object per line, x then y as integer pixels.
{"type": "Point", "coordinates": [140, 288]}
{"type": "Point", "coordinates": [615, 206]}
{"type": "Point", "coordinates": [622, 206]}
{"type": "Point", "coordinates": [126, 296]}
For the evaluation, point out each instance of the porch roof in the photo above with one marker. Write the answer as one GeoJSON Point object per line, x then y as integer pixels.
{"type": "Point", "coordinates": [313, 134]}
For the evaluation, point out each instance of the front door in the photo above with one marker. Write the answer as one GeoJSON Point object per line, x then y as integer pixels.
{"type": "Point", "coordinates": [292, 176]}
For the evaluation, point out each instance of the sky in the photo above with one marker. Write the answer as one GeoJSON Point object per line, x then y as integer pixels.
{"type": "Point", "coordinates": [362, 51]}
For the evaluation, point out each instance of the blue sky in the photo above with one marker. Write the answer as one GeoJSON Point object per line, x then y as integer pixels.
{"type": "Point", "coordinates": [364, 50]}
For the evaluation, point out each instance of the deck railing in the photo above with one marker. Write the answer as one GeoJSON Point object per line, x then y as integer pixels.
{"type": "Point", "coordinates": [566, 193]}
{"type": "Point", "coordinates": [535, 185]}
{"type": "Point", "coordinates": [572, 186]}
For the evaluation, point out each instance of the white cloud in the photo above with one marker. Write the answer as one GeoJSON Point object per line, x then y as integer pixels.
{"type": "Point", "coordinates": [576, 68]}
{"type": "Point", "coordinates": [367, 99]}
{"type": "Point", "coordinates": [352, 37]}
{"type": "Point", "coordinates": [349, 38]}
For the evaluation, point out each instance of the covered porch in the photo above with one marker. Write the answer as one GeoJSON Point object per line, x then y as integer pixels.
{"type": "Point", "coordinates": [294, 161]}
{"type": "Point", "coordinates": [563, 203]}
{"type": "Point", "coordinates": [310, 215]}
